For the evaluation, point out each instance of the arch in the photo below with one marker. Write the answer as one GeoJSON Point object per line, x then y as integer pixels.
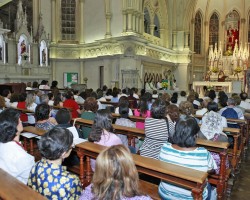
{"type": "Point", "coordinates": [214, 29]}
{"type": "Point", "coordinates": [197, 32]}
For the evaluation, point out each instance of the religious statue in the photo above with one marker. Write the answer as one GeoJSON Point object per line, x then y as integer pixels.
{"type": "Point", "coordinates": [43, 56]}
{"type": "Point", "coordinates": [23, 47]}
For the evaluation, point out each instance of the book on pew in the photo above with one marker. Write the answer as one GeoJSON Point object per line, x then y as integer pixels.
{"type": "Point", "coordinates": [77, 140]}
{"type": "Point", "coordinates": [28, 135]}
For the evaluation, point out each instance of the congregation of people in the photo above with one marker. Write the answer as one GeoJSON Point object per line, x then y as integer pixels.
{"type": "Point", "coordinates": [171, 128]}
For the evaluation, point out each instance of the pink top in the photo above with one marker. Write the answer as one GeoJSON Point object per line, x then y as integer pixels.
{"type": "Point", "coordinates": [137, 113]}
{"type": "Point", "coordinates": [107, 139]}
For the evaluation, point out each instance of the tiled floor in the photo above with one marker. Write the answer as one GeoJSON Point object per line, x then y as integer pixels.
{"type": "Point", "coordinates": [241, 189]}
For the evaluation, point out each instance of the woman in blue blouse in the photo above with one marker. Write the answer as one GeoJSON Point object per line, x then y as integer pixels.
{"type": "Point", "coordinates": [48, 176]}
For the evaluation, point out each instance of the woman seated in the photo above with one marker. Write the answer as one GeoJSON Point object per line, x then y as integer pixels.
{"type": "Point", "coordinates": [142, 111]}
{"type": "Point", "coordinates": [183, 152]}
{"type": "Point", "coordinates": [172, 116]}
{"type": "Point", "coordinates": [71, 103]}
{"type": "Point", "coordinates": [101, 131]}
{"type": "Point", "coordinates": [123, 102]}
{"type": "Point", "coordinates": [156, 131]}
{"type": "Point", "coordinates": [31, 105]}
{"type": "Point", "coordinates": [115, 177]}
{"type": "Point", "coordinates": [90, 106]}
{"type": "Point", "coordinates": [48, 176]}
{"type": "Point", "coordinates": [212, 129]}
{"type": "Point", "coordinates": [43, 120]}
{"type": "Point", "coordinates": [124, 121]}
{"type": "Point", "coordinates": [13, 158]}
{"type": "Point", "coordinates": [22, 104]}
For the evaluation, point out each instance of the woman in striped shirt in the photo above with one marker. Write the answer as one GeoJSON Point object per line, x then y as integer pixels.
{"type": "Point", "coordinates": [183, 152]}
{"type": "Point", "coordinates": [156, 130]}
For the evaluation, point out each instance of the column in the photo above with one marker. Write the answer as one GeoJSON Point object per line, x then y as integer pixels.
{"type": "Point", "coordinates": [53, 21]}
{"type": "Point", "coordinates": [162, 35]}
{"type": "Point", "coordinates": [53, 69]}
{"type": "Point", "coordinates": [182, 76]}
{"type": "Point", "coordinates": [81, 21]}
{"type": "Point", "coordinates": [129, 21]}
{"type": "Point", "coordinates": [124, 16]}
{"type": "Point", "coordinates": [186, 46]}
{"type": "Point", "coordinates": [81, 72]}
{"type": "Point", "coordinates": [152, 28]}
{"type": "Point", "coordinates": [174, 45]}
{"type": "Point", "coordinates": [36, 12]}
{"type": "Point", "coordinates": [134, 21]}
{"type": "Point", "coordinates": [108, 25]}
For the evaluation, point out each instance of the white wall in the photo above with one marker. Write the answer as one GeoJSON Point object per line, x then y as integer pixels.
{"type": "Point", "coordinates": [66, 66]}
{"type": "Point", "coordinates": [94, 20]}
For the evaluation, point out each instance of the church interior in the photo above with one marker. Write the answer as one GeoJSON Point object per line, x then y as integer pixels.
{"type": "Point", "coordinates": [167, 46]}
{"type": "Point", "coordinates": [126, 43]}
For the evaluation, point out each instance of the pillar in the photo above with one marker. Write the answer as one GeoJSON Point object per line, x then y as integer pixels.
{"type": "Point", "coordinates": [182, 76]}
{"type": "Point", "coordinates": [36, 12]}
{"type": "Point", "coordinates": [186, 46]}
{"type": "Point", "coordinates": [81, 21]}
{"type": "Point", "coordinates": [53, 21]}
{"type": "Point", "coordinates": [174, 45]}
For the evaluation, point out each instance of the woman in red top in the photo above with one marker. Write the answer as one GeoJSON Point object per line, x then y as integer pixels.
{"type": "Point", "coordinates": [22, 104]}
{"type": "Point", "coordinates": [71, 103]}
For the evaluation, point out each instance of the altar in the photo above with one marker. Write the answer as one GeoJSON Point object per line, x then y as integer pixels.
{"type": "Point", "coordinates": [228, 87]}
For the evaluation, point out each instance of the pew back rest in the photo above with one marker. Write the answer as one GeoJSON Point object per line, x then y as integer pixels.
{"type": "Point", "coordinates": [12, 188]}
{"type": "Point", "coordinates": [175, 174]}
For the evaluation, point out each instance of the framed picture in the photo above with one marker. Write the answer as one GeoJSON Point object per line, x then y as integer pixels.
{"type": "Point", "coordinates": [70, 78]}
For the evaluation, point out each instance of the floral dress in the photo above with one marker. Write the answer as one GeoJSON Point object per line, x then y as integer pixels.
{"type": "Point", "coordinates": [54, 182]}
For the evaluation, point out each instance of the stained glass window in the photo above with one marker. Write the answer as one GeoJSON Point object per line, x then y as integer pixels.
{"type": "Point", "coordinates": [197, 33]}
{"type": "Point", "coordinates": [68, 19]}
{"type": "Point", "coordinates": [213, 29]}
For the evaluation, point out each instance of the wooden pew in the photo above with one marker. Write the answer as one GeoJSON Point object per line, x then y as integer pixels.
{"type": "Point", "coordinates": [184, 177]}
{"type": "Point", "coordinates": [218, 147]}
{"type": "Point", "coordinates": [12, 188]}
{"type": "Point", "coordinates": [221, 179]}
{"type": "Point", "coordinates": [29, 143]}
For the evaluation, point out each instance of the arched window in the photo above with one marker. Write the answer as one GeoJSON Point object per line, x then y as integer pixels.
{"type": "Point", "coordinates": [197, 33]}
{"type": "Point", "coordinates": [157, 26]}
{"type": "Point", "coordinates": [213, 29]}
{"type": "Point", "coordinates": [146, 21]}
{"type": "Point", "coordinates": [68, 19]}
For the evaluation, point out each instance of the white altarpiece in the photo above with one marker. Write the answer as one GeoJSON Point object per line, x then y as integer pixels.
{"type": "Point", "coordinates": [129, 78]}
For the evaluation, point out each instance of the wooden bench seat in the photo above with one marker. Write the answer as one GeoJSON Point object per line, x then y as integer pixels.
{"type": "Point", "coordinates": [12, 188]}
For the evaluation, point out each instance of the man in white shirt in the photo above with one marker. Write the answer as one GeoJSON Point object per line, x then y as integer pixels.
{"type": "Point", "coordinates": [6, 94]}
{"type": "Point", "coordinates": [13, 158]}
{"type": "Point", "coordinates": [244, 103]}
